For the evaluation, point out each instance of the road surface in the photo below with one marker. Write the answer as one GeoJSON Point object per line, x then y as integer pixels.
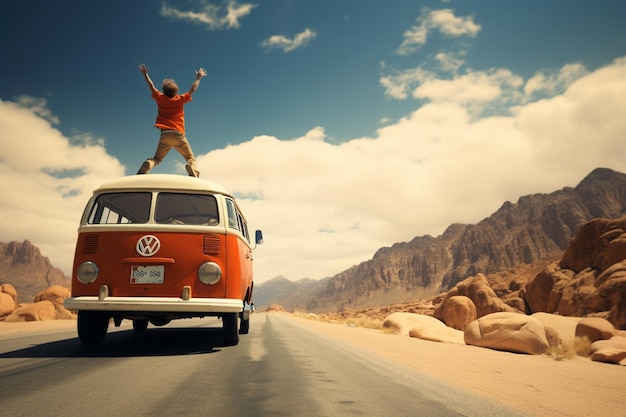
{"type": "Point", "coordinates": [281, 368]}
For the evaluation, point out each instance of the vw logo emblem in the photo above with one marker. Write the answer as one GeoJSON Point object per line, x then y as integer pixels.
{"type": "Point", "coordinates": [148, 245]}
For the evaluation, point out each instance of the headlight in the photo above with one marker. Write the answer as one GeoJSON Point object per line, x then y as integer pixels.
{"type": "Point", "coordinates": [87, 272]}
{"type": "Point", "coordinates": [209, 273]}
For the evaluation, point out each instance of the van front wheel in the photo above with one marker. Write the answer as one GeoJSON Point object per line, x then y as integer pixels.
{"type": "Point", "coordinates": [230, 327]}
{"type": "Point", "coordinates": [244, 327]}
{"type": "Point", "coordinates": [92, 327]}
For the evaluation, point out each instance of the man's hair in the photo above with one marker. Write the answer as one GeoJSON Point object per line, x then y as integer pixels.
{"type": "Point", "coordinates": [170, 88]}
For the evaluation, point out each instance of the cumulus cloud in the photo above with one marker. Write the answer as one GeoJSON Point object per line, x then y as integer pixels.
{"type": "Point", "coordinates": [443, 21]}
{"type": "Point", "coordinates": [214, 16]}
{"type": "Point", "coordinates": [289, 44]}
{"type": "Point", "coordinates": [46, 179]}
{"type": "Point", "coordinates": [554, 82]}
{"type": "Point", "coordinates": [326, 206]}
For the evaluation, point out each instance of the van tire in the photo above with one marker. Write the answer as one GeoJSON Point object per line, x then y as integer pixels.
{"type": "Point", "coordinates": [92, 326]}
{"type": "Point", "coordinates": [244, 326]}
{"type": "Point", "coordinates": [230, 327]}
{"type": "Point", "coordinates": [140, 326]}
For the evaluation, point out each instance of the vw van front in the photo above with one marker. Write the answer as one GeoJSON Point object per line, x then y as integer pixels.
{"type": "Point", "coordinates": [155, 248]}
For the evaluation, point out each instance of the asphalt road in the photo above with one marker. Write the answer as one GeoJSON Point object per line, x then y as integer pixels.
{"type": "Point", "coordinates": [280, 369]}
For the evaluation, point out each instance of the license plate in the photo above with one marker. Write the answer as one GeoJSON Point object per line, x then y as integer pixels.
{"type": "Point", "coordinates": [151, 274]}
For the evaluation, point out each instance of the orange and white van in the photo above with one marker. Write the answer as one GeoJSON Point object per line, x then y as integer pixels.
{"type": "Point", "coordinates": [155, 248]}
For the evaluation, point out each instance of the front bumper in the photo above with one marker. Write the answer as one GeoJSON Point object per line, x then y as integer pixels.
{"type": "Point", "coordinates": [155, 304]}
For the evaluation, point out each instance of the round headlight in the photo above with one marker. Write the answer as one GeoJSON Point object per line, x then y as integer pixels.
{"type": "Point", "coordinates": [87, 272]}
{"type": "Point", "coordinates": [209, 273]}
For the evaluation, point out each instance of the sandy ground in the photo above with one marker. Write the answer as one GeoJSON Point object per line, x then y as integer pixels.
{"type": "Point", "coordinates": [537, 385]}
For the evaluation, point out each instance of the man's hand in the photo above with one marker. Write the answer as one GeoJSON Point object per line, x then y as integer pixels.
{"type": "Point", "coordinates": [200, 73]}
{"type": "Point", "coordinates": [143, 68]}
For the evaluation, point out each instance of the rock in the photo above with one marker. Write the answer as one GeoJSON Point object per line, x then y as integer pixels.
{"type": "Point", "coordinates": [402, 323]}
{"type": "Point", "coordinates": [56, 295]}
{"type": "Point", "coordinates": [483, 300]}
{"type": "Point", "coordinates": [609, 351]}
{"type": "Point", "coordinates": [437, 333]}
{"type": "Point", "coordinates": [8, 299]}
{"type": "Point", "coordinates": [9, 289]}
{"type": "Point", "coordinates": [510, 332]}
{"type": "Point", "coordinates": [565, 327]}
{"type": "Point", "coordinates": [42, 310]}
{"type": "Point", "coordinates": [595, 328]}
{"type": "Point", "coordinates": [457, 312]}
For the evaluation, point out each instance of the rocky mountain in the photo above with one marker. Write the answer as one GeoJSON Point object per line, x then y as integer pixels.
{"type": "Point", "coordinates": [537, 228]}
{"type": "Point", "coordinates": [24, 267]}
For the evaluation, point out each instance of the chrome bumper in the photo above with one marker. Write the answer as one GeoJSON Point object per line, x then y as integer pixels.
{"type": "Point", "coordinates": [155, 304]}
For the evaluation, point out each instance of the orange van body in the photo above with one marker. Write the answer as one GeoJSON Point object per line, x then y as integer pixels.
{"type": "Point", "coordinates": [154, 248]}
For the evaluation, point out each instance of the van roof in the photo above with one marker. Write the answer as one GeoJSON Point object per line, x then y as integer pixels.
{"type": "Point", "coordinates": [163, 182]}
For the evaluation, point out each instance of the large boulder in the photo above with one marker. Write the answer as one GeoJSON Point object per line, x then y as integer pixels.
{"type": "Point", "coordinates": [609, 351]}
{"type": "Point", "coordinates": [457, 312]}
{"type": "Point", "coordinates": [421, 326]}
{"type": "Point", "coordinates": [42, 310]}
{"type": "Point", "coordinates": [565, 327]}
{"type": "Point", "coordinates": [437, 333]}
{"type": "Point", "coordinates": [510, 332]}
{"type": "Point", "coordinates": [483, 297]}
{"type": "Point", "coordinates": [56, 295]}
{"type": "Point", "coordinates": [402, 323]}
{"type": "Point", "coordinates": [8, 299]}
{"type": "Point", "coordinates": [595, 328]}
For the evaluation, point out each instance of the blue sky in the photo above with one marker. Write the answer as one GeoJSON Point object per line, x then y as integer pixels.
{"type": "Point", "coordinates": [343, 125]}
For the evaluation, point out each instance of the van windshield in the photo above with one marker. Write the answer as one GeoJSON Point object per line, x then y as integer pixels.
{"type": "Point", "coordinates": [121, 208]}
{"type": "Point", "coordinates": [171, 208]}
{"type": "Point", "coordinates": [180, 208]}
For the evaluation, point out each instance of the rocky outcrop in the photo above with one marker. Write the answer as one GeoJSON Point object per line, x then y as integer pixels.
{"type": "Point", "coordinates": [589, 279]}
{"type": "Point", "coordinates": [24, 267]}
{"type": "Point", "coordinates": [470, 299]}
{"type": "Point", "coordinates": [47, 305]}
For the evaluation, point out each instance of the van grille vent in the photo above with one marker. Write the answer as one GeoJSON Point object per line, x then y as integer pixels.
{"type": "Point", "coordinates": [211, 245]}
{"type": "Point", "coordinates": [90, 244]}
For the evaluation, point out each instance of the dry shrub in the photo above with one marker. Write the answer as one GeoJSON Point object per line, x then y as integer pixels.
{"type": "Point", "coordinates": [581, 347]}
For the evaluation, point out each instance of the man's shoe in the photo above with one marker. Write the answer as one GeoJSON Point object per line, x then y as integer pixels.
{"type": "Point", "coordinates": [145, 168]}
{"type": "Point", "coordinates": [192, 172]}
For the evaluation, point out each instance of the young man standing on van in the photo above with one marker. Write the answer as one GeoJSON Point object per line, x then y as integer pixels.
{"type": "Point", "coordinates": [171, 121]}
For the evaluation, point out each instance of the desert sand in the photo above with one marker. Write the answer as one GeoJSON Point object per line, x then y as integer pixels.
{"type": "Point", "coordinates": [534, 384]}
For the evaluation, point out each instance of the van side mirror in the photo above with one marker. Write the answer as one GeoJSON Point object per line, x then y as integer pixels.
{"type": "Point", "coordinates": [258, 235]}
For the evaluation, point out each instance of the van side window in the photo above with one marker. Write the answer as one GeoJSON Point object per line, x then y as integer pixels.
{"type": "Point", "coordinates": [243, 226]}
{"type": "Point", "coordinates": [232, 214]}
{"type": "Point", "coordinates": [121, 208]}
{"type": "Point", "coordinates": [182, 208]}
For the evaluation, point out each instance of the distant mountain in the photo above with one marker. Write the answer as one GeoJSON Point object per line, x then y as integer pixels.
{"type": "Point", "coordinates": [23, 266]}
{"type": "Point", "coordinates": [538, 227]}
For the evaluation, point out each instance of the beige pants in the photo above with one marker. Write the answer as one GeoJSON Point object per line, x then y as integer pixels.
{"type": "Point", "coordinates": [169, 139]}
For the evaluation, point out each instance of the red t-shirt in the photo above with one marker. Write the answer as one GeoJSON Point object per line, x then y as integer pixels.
{"type": "Point", "coordinates": [171, 114]}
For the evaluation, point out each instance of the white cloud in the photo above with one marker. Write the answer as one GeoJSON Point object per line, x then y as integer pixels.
{"type": "Point", "coordinates": [442, 20]}
{"type": "Point", "coordinates": [554, 82]}
{"type": "Point", "coordinates": [46, 179]}
{"type": "Point", "coordinates": [286, 44]}
{"type": "Point", "coordinates": [215, 17]}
